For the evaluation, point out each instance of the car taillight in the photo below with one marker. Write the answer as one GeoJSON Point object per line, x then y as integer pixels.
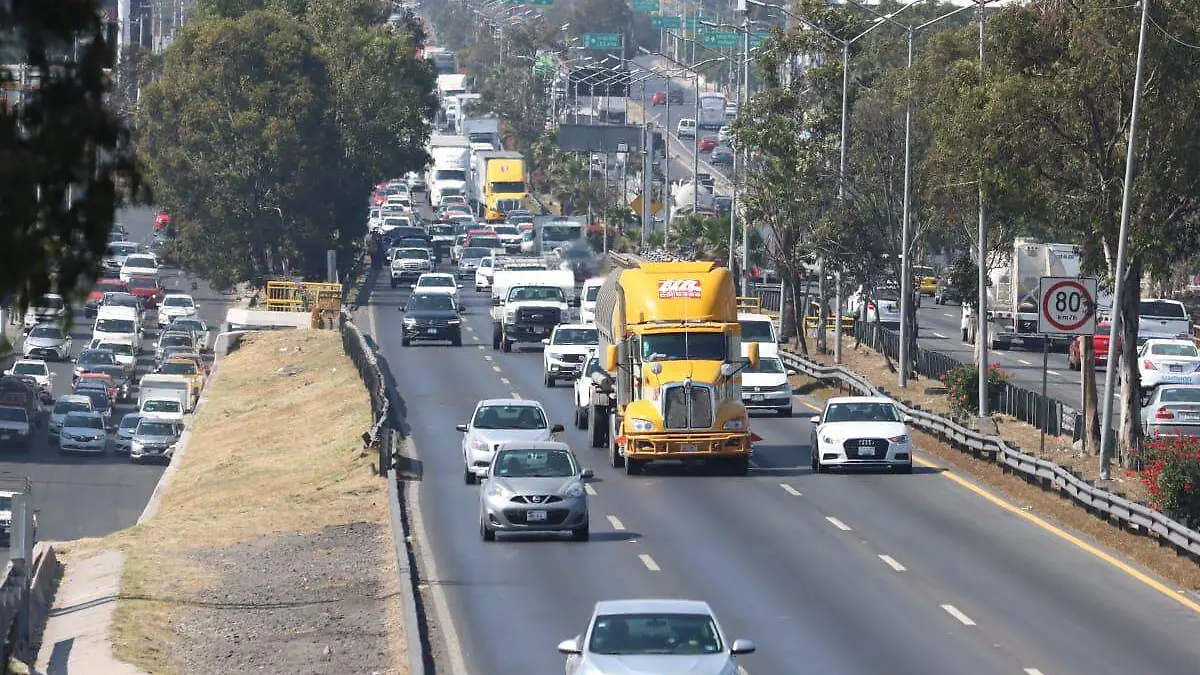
{"type": "Point", "coordinates": [871, 306]}
{"type": "Point", "coordinates": [1164, 414]}
{"type": "Point", "coordinates": [1148, 365]}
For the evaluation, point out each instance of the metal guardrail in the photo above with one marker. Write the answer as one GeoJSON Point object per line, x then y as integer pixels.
{"type": "Point", "coordinates": [1050, 476]}
{"type": "Point", "coordinates": [363, 357]}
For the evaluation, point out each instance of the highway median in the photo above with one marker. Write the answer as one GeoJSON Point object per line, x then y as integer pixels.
{"type": "Point", "coordinates": [271, 550]}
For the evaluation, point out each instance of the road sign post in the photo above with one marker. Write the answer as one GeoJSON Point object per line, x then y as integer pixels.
{"type": "Point", "coordinates": [1067, 306]}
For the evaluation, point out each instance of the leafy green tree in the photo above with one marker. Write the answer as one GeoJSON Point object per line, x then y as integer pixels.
{"type": "Point", "coordinates": [65, 155]}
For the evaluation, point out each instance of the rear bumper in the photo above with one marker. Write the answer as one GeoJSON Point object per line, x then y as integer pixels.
{"type": "Point", "coordinates": [687, 446]}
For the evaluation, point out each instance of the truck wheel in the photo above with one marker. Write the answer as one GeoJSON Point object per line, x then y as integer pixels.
{"type": "Point", "coordinates": [580, 418]}
{"type": "Point", "coordinates": [548, 380]}
{"type": "Point", "coordinates": [505, 345]}
{"type": "Point", "coordinates": [404, 341]}
{"type": "Point", "coordinates": [739, 466]}
{"type": "Point", "coordinates": [614, 457]}
{"type": "Point", "coordinates": [394, 284]}
{"type": "Point", "coordinates": [497, 336]}
{"type": "Point", "coordinates": [597, 427]}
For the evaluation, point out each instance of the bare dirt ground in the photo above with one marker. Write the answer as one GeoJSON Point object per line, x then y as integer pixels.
{"type": "Point", "coordinates": [272, 551]}
{"type": "Point", "coordinates": [930, 396]}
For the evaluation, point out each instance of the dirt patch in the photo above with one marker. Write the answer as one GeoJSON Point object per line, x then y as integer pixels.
{"type": "Point", "coordinates": [1163, 560]}
{"type": "Point", "coordinates": [272, 548]}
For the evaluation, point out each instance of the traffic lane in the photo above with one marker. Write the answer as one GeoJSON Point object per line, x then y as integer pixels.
{"type": "Point", "coordinates": [514, 599]}
{"type": "Point", "coordinates": [1046, 600]}
{"type": "Point", "coordinates": [765, 542]}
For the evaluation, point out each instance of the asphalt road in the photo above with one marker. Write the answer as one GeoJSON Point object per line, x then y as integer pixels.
{"type": "Point", "coordinates": [84, 496]}
{"type": "Point", "coordinates": [857, 573]}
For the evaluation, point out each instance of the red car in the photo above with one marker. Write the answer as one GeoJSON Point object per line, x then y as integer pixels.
{"type": "Point", "coordinates": [658, 98]}
{"type": "Point", "coordinates": [161, 220]}
{"type": "Point", "coordinates": [110, 385]}
{"type": "Point", "coordinates": [103, 286]}
{"type": "Point", "coordinates": [1099, 344]}
{"type": "Point", "coordinates": [707, 144]}
{"type": "Point", "coordinates": [149, 289]}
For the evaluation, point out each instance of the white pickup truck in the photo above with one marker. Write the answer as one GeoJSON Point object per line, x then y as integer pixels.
{"type": "Point", "coordinates": [528, 305]}
{"type": "Point", "coordinates": [1164, 319]}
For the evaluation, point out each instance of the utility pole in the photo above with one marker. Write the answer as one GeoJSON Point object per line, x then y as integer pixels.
{"type": "Point", "coordinates": [743, 99]}
{"type": "Point", "coordinates": [905, 245]}
{"type": "Point", "coordinates": [981, 324]}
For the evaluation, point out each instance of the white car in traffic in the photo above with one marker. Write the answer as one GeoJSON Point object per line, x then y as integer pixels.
{"type": "Point", "coordinates": [484, 274]}
{"type": "Point", "coordinates": [861, 431]}
{"type": "Point", "coordinates": [140, 265]}
{"type": "Point", "coordinates": [1168, 362]}
{"type": "Point", "coordinates": [587, 299]}
{"type": "Point", "coordinates": [497, 421]}
{"type": "Point", "coordinates": [39, 370]}
{"type": "Point", "coordinates": [173, 306]}
{"type": "Point", "coordinates": [767, 387]}
{"type": "Point", "coordinates": [566, 349]}
{"type": "Point", "coordinates": [439, 283]}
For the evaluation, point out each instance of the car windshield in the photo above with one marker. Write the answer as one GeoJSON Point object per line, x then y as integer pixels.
{"type": "Point", "coordinates": [140, 261]}
{"type": "Point", "coordinates": [96, 356]}
{"type": "Point", "coordinates": [576, 336]}
{"type": "Point", "coordinates": [486, 242]}
{"type": "Point", "coordinates": [130, 421]}
{"type": "Point", "coordinates": [178, 368]}
{"type": "Point", "coordinates": [186, 324]}
{"type": "Point", "coordinates": [1160, 309]}
{"type": "Point", "coordinates": [27, 368]}
{"type": "Point", "coordinates": [153, 428]}
{"type": "Point", "coordinates": [510, 416]}
{"type": "Point", "coordinates": [505, 229]}
{"type": "Point", "coordinates": [64, 407]}
{"type": "Point", "coordinates": [395, 222]}
{"type": "Point", "coordinates": [178, 302]}
{"type": "Point", "coordinates": [143, 283]}
{"type": "Point", "coordinates": [436, 282]}
{"type": "Point", "coordinates": [1180, 395]}
{"type": "Point", "coordinates": [5, 503]}
{"type": "Point", "coordinates": [591, 293]}
{"type": "Point", "coordinates": [1182, 350]}
{"type": "Point", "coordinates": [431, 302]}
{"type": "Point", "coordinates": [83, 422]}
{"type": "Point", "coordinates": [684, 347]}
{"type": "Point", "coordinates": [11, 414]}
{"type": "Point", "coordinates": [888, 294]}
{"type": "Point", "coordinates": [475, 252]}
{"type": "Point", "coordinates": [121, 300]}
{"type": "Point", "coordinates": [47, 332]}
{"type": "Point", "coordinates": [766, 364]}
{"type": "Point", "coordinates": [535, 464]}
{"type": "Point", "coordinates": [119, 326]}
{"type": "Point", "coordinates": [868, 411]}
{"type": "Point", "coordinates": [577, 253]}
{"type": "Point", "coordinates": [545, 293]}
{"type": "Point", "coordinates": [756, 330]}
{"type": "Point", "coordinates": [691, 634]}
{"type": "Point", "coordinates": [174, 341]}
{"type": "Point", "coordinates": [412, 254]}
{"type": "Point", "coordinates": [161, 406]}
{"type": "Point", "coordinates": [441, 230]}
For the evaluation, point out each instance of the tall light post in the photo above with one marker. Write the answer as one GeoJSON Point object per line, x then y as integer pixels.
{"type": "Point", "coordinates": [695, 71]}
{"type": "Point", "coordinates": [1114, 323]}
{"type": "Point", "coordinates": [981, 324]}
{"type": "Point", "coordinates": [906, 215]}
{"type": "Point", "coordinates": [647, 161]}
{"type": "Point", "coordinates": [667, 197]}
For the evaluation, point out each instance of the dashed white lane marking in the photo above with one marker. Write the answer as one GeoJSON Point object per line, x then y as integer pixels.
{"type": "Point", "coordinates": [947, 313]}
{"type": "Point", "coordinates": [1032, 671]}
{"type": "Point", "coordinates": [615, 522]}
{"type": "Point", "coordinates": [892, 563]}
{"type": "Point", "coordinates": [790, 490]}
{"type": "Point", "coordinates": [516, 395]}
{"type": "Point", "coordinates": [1024, 362]}
{"type": "Point", "coordinates": [496, 368]}
{"type": "Point", "coordinates": [957, 614]}
{"type": "Point", "coordinates": [1054, 373]}
{"type": "Point", "coordinates": [742, 671]}
{"type": "Point", "coordinates": [939, 335]}
{"type": "Point", "coordinates": [590, 490]}
{"type": "Point", "coordinates": [470, 330]}
{"type": "Point", "coordinates": [504, 380]}
{"type": "Point", "coordinates": [649, 562]}
{"type": "Point", "coordinates": [487, 357]}
{"type": "Point", "coordinates": [838, 524]}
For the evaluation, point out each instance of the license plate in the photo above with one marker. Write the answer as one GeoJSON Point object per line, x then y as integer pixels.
{"type": "Point", "coordinates": [1176, 369]}
{"type": "Point", "coordinates": [756, 397]}
{"type": "Point", "coordinates": [539, 329]}
{"type": "Point", "coordinates": [431, 331]}
{"type": "Point", "coordinates": [1190, 417]}
{"type": "Point", "coordinates": [689, 447]}
{"type": "Point", "coordinates": [535, 516]}
{"type": "Point", "coordinates": [866, 451]}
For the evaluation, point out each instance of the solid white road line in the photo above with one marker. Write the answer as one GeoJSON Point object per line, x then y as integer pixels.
{"type": "Point", "coordinates": [615, 522]}
{"type": "Point", "coordinates": [1032, 671]}
{"type": "Point", "coordinates": [838, 524]}
{"type": "Point", "coordinates": [590, 490]}
{"type": "Point", "coordinates": [505, 380]}
{"type": "Point", "coordinates": [790, 490]}
{"type": "Point", "coordinates": [1054, 373]}
{"type": "Point", "coordinates": [516, 395]}
{"type": "Point", "coordinates": [956, 613]}
{"type": "Point", "coordinates": [939, 335]}
{"type": "Point", "coordinates": [892, 563]}
{"type": "Point", "coordinates": [1024, 362]}
{"type": "Point", "coordinates": [649, 562]}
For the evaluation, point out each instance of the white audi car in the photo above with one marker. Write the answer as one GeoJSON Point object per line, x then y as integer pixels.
{"type": "Point", "coordinates": [861, 431]}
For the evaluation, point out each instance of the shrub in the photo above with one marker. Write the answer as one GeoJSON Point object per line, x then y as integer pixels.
{"type": "Point", "coordinates": [962, 386]}
{"type": "Point", "coordinates": [1171, 473]}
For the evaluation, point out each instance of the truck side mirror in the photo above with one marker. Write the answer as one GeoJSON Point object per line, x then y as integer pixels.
{"type": "Point", "coordinates": [752, 354]}
{"type": "Point", "coordinates": [495, 302]}
{"type": "Point", "coordinates": [610, 358]}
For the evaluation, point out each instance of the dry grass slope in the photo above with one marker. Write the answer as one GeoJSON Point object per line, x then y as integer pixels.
{"type": "Point", "coordinates": [273, 485]}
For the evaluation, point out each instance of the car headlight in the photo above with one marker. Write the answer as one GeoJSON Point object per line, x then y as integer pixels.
{"type": "Point", "coordinates": [901, 439]}
{"type": "Point", "coordinates": [409, 321]}
{"type": "Point", "coordinates": [573, 491]}
{"type": "Point", "coordinates": [510, 316]}
{"type": "Point", "coordinates": [735, 425]}
{"type": "Point", "coordinates": [554, 356]}
{"type": "Point", "coordinates": [454, 322]}
{"type": "Point", "coordinates": [641, 425]}
{"type": "Point", "coordinates": [496, 490]}
{"type": "Point", "coordinates": [828, 441]}
{"type": "Point", "coordinates": [785, 388]}
{"type": "Point", "coordinates": [477, 445]}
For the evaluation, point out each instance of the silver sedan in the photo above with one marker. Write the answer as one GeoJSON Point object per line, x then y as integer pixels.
{"type": "Point", "coordinates": [534, 487]}
{"type": "Point", "coordinates": [1172, 410]}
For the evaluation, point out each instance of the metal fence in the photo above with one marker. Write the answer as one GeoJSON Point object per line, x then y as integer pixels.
{"type": "Point", "coordinates": [380, 434]}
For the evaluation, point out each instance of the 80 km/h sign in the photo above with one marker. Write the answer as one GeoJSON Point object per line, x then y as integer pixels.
{"type": "Point", "coordinates": [1068, 306]}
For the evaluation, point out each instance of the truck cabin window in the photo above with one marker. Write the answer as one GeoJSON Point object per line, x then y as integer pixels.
{"type": "Point", "coordinates": [684, 347]}
{"type": "Point", "coordinates": [537, 293]}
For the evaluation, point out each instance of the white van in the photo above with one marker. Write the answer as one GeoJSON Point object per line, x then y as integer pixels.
{"type": "Point", "coordinates": [117, 324]}
{"type": "Point", "coordinates": [587, 299]}
{"type": "Point", "coordinates": [686, 128]}
{"type": "Point", "coordinates": [175, 387]}
{"type": "Point", "coordinates": [759, 328]}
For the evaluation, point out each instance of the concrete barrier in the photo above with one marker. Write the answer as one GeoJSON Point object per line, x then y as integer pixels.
{"type": "Point", "coordinates": [239, 318]}
{"type": "Point", "coordinates": [46, 572]}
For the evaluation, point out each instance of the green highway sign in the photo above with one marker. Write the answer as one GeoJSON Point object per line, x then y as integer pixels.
{"type": "Point", "coordinates": [689, 22]}
{"type": "Point", "coordinates": [645, 6]}
{"type": "Point", "coordinates": [665, 22]}
{"type": "Point", "coordinates": [514, 2]}
{"type": "Point", "coordinates": [602, 40]}
{"type": "Point", "coordinates": [543, 3]}
{"type": "Point", "coordinates": [757, 38]}
{"type": "Point", "coordinates": [719, 38]}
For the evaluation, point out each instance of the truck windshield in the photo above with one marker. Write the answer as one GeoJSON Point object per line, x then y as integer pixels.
{"type": "Point", "coordinates": [543, 293]}
{"type": "Point", "coordinates": [449, 174]}
{"type": "Point", "coordinates": [686, 346]}
{"type": "Point", "coordinates": [486, 242]}
{"type": "Point", "coordinates": [8, 414]}
{"type": "Point", "coordinates": [507, 186]}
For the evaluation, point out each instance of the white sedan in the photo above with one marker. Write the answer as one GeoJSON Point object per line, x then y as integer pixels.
{"type": "Point", "coordinates": [38, 370]}
{"type": "Point", "coordinates": [438, 283]}
{"type": "Point", "coordinates": [174, 306]}
{"type": "Point", "coordinates": [500, 420]}
{"type": "Point", "coordinates": [141, 265]}
{"type": "Point", "coordinates": [1168, 362]}
{"type": "Point", "coordinates": [861, 431]}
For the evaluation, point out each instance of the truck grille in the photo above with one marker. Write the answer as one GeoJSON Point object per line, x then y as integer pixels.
{"type": "Point", "coordinates": [539, 315]}
{"type": "Point", "coordinates": [687, 407]}
{"type": "Point", "coordinates": [572, 358]}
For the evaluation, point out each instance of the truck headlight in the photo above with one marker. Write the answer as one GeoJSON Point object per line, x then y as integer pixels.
{"type": "Point", "coordinates": [510, 316]}
{"type": "Point", "coordinates": [735, 425]}
{"type": "Point", "coordinates": [902, 439]}
{"type": "Point", "coordinates": [641, 425]}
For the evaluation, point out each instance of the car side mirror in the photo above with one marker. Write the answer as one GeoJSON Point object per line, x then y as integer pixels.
{"type": "Point", "coordinates": [586, 473]}
{"type": "Point", "coordinates": [461, 427]}
{"type": "Point", "coordinates": [742, 647]}
{"type": "Point", "coordinates": [907, 419]}
{"type": "Point", "coordinates": [458, 286]}
{"type": "Point", "coordinates": [545, 341]}
{"type": "Point", "coordinates": [815, 419]}
{"type": "Point", "coordinates": [791, 372]}
{"type": "Point", "coordinates": [557, 429]}
{"type": "Point", "coordinates": [483, 471]}
{"type": "Point", "coordinates": [495, 302]}
{"type": "Point", "coordinates": [570, 646]}
{"type": "Point", "coordinates": [401, 309]}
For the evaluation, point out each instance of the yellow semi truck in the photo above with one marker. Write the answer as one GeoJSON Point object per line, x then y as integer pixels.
{"type": "Point", "coordinates": [671, 345]}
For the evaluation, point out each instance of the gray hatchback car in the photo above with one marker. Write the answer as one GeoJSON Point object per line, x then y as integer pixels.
{"type": "Point", "coordinates": [534, 486]}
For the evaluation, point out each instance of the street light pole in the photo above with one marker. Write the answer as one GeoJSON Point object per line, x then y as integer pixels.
{"type": "Point", "coordinates": [981, 324]}
{"type": "Point", "coordinates": [1119, 273]}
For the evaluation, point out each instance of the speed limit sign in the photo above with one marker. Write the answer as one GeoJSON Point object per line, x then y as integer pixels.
{"type": "Point", "coordinates": [1068, 306]}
